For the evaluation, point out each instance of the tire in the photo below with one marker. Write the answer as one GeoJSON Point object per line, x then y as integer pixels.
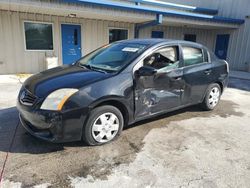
{"type": "Point", "coordinates": [212, 97]}
{"type": "Point", "coordinates": [104, 124]}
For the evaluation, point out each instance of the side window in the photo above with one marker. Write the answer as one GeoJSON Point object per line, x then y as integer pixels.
{"type": "Point", "coordinates": [192, 56]}
{"type": "Point", "coordinates": [164, 59]}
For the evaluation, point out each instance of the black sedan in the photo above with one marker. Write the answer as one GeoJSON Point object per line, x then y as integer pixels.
{"type": "Point", "coordinates": [117, 85]}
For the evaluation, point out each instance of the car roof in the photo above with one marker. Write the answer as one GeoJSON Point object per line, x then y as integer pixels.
{"type": "Point", "coordinates": [154, 41]}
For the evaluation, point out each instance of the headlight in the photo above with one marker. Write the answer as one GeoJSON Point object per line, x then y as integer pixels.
{"type": "Point", "coordinates": [56, 99]}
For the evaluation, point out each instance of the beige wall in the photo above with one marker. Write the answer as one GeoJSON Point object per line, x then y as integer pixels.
{"type": "Point", "coordinates": [239, 44]}
{"type": "Point", "coordinates": [203, 36]}
{"type": "Point", "coordinates": [15, 59]}
{"type": "Point", "coordinates": [227, 8]}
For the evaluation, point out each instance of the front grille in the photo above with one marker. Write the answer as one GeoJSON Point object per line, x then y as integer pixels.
{"type": "Point", "coordinates": [27, 98]}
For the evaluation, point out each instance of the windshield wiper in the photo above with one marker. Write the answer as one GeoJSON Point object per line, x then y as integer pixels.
{"type": "Point", "coordinates": [84, 65]}
{"type": "Point", "coordinates": [98, 69]}
{"type": "Point", "coordinates": [92, 68]}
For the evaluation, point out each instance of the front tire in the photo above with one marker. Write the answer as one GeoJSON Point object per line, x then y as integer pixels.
{"type": "Point", "coordinates": [104, 125]}
{"type": "Point", "coordinates": [212, 97]}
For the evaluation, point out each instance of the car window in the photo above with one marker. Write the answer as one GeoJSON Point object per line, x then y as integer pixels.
{"type": "Point", "coordinates": [192, 56]}
{"type": "Point", "coordinates": [113, 57]}
{"type": "Point", "coordinates": [163, 59]}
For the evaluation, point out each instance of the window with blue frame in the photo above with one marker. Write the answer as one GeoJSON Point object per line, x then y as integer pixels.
{"type": "Point", "coordinates": [157, 34]}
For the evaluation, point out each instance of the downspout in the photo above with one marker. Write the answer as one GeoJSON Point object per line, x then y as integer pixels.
{"type": "Point", "coordinates": [140, 26]}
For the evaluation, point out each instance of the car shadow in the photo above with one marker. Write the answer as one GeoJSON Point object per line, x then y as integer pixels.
{"type": "Point", "coordinates": [15, 139]}
{"type": "Point", "coordinates": [190, 109]}
{"type": "Point", "coordinates": [241, 84]}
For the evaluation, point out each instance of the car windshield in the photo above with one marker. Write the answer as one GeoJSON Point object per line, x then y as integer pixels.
{"type": "Point", "coordinates": [113, 57]}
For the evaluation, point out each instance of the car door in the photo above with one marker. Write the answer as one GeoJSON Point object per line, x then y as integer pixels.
{"type": "Point", "coordinates": [158, 82]}
{"type": "Point", "coordinates": [197, 73]}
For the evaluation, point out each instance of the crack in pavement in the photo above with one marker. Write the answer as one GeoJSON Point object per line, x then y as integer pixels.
{"type": "Point", "coordinates": [7, 154]}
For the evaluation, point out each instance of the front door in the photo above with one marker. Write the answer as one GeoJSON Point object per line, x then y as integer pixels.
{"type": "Point", "coordinates": [162, 90]}
{"type": "Point", "coordinates": [71, 43]}
{"type": "Point", "coordinates": [222, 46]}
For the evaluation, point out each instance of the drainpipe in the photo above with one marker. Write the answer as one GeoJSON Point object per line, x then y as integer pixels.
{"type": "Point", "coordinates": [155, 22]}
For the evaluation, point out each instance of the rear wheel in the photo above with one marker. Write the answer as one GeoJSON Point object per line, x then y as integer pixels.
{"type": "Point", "coordinates": [212, 97]}
{"type": "Point", "coordinates": [104, 124]}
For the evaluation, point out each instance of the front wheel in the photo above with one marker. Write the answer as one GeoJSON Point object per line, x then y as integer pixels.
{"type": "Point", "coordinates": [212, 97]}
{"type": "Point", "coordinates": [104, 124]}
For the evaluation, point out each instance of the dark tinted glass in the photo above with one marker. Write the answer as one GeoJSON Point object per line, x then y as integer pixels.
{"type": "Point", "coordinates": [157, 34]}
{"type": "Point", "coordinates": [190, 37]}
{"type": "Point", "coordinates": [192, 56]}
{"type": "Point", "coordinates": [117, 34]}
{"type": "Point", "coordinates": [38, 36]}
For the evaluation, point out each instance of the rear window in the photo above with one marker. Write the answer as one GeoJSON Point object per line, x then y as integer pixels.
{"type": "Point", "coordinates": [192, 56]}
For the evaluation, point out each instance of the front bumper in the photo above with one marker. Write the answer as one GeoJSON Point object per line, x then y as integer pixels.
{"type": "Point", "coordinates": [53, 126]}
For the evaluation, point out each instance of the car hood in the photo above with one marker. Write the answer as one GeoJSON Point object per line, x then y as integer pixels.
{"type": "Point", "coordinates": [71, 76]}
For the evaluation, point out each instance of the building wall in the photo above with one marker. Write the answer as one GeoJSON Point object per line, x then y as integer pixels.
{"type": "Point", "coordinates": [15, 59]}
{"type": "Point", "coordinates": [239, 44]}
{"type": "Point", "coordinates": [203, 36]}
{"type": "Point", "coordinates": [238, 54]}
{"type": "Point", "coordinates": [227, 8]}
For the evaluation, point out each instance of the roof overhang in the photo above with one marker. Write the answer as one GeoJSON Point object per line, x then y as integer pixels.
{"type": "Point", "coordinates": [114, 11]}
{"type": "Point", "coordinates": [176, 6]}
{"type": "Point", "coordinates": [170, 13]}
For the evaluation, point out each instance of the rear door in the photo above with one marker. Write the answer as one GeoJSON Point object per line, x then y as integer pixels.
{"type": "Point", "coordinates": [197, 72]}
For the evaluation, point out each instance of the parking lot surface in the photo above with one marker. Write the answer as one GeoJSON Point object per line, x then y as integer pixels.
{"type": "Point", "coordinates": [185, 148]}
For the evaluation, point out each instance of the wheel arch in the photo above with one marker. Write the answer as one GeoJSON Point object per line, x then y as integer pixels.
{"type": "Point", "coordinates": [116, 103]}
{"type": "Point", "coordinates": [221, 85]}
{"type": "Point", "coordinates": [216, 82]}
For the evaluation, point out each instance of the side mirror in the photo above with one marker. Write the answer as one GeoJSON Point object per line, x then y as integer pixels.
{"type": "Point", "coordinates": [146, 71]}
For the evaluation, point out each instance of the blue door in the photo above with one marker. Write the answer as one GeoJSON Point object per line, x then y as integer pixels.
{"type": "Point", "coordinates": [71, 43]}
{"type": "Point", "coordinates": [157, 34]}
{"type": "Point", "coordinates": [222, 46]}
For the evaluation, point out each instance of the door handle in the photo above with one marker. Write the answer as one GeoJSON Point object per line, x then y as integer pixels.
{"type": "Point", "coordinates": [177, 78]}
{"type": "Point", "coordinates": [208, 71]}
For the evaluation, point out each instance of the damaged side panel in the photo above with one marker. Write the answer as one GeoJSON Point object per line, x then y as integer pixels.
{"type": "Point", "coordinates": [157, 93]}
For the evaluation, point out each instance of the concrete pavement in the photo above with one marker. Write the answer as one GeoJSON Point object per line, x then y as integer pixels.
{"type": "Point", "coordinates": [186, 148]}
{"type": "Point", "coordinates": [240, 75]}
